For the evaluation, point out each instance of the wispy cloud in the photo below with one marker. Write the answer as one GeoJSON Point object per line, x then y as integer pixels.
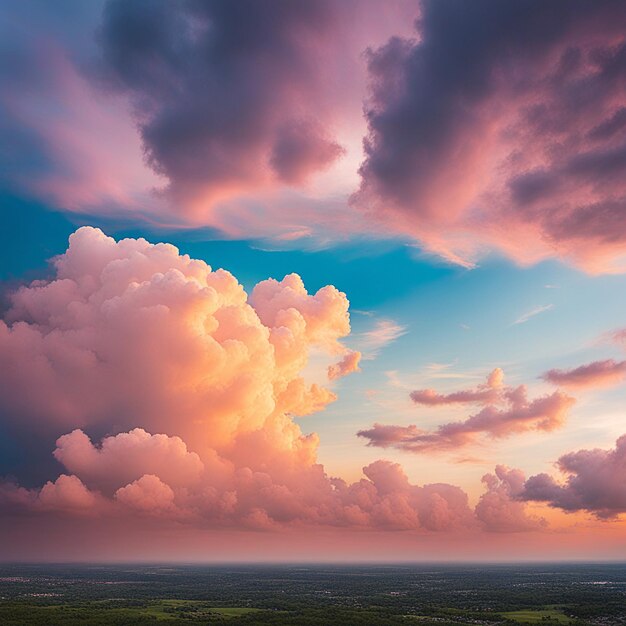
{"type": "Point", "coordinates": [439, 367]}
{"type": "Point", "coordinates": [384, 332]}
{"type": "Point", "coordinates": [522, 319]}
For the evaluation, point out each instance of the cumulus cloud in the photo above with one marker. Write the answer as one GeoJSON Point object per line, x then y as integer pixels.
{"type": "Point", "coordinates": [594, 374]}
{"type": "Point", "coordinates": [127, 456]}
{"type": "Point", "coordinates": [65, 493]}
{"type": "Point", "coordinates": [241, 497]}
{"type": "Point", "coordinates": [131, 334]}
{"type": "Point", "coordinates": [499, 508]}
{"type": "Point", "coordinates": [148, 494]}
{"type": "Point", "coordinates": [506, 410]}
{"type": "Point", "coordinates": [520, 148]}
{"type": "Point", "coordinates": [200, 384]}
{"type": "Point", "coordinates": [595, 481]}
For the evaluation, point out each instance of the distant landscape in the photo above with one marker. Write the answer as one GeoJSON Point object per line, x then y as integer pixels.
{"type": "Point", "coordinates": [313, 594]}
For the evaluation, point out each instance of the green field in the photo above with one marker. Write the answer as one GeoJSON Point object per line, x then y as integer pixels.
{"type": "Point", "coordinates": [537, 616]}
{"type": "Point", "coordinates": [114, 612]}
{"type": "Point", "coordinates": [173, 609]}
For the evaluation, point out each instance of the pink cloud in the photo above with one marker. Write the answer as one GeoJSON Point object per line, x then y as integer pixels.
{"type": "Point", "coordinates": [384, 332]}
{"type": "Point", "coordinates": [525, 155]}
{"type": "Point", "coordinates": [499, 508]}
{"type": "Point", "coordinates": [348, 364]}
{"type": "Point", "coordinates": [66, 493]}
{"type": "Point", "coordinates": [595, 374]}
{"type": "Point", "coordinates": [619, 336]}
{"type": "Point", "coordinates": [483, 394]}
{"type": "Point", "coordinates": [272, 152]}
{"type": "Point", "coordinates": [127, 456]}
{"type": "Point", "coordinates": [507, 410]}
{"type": "Point", "coordinates": [85, 341]}
{"type": "Point", "coordinates": [130, 337]}
{"type": "Point", "coordinates": [147, 494]}
{"type": "Point", "coordinates": [242, 497]}
{"type": "Point", "coordinates": [595, 481]}
{"type": "Point", "coordinates": [74, 149]}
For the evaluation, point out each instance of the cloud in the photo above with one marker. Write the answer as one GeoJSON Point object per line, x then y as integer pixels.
{"type": "Point", "coordinates": [348, 364]}
{"type": "Point", "coordinates": [499, 508]}
{"type": "Point", "coordinates": [521, 150]}
{"type": "Point", "coordinates": [595, 481]}
{"type": "Point", "coordinates": [507, 410]}
{"type": "Point", "coordinates": [199, 383]}
{"type": "Point", "coordinates": [301, 148]}
{"type": "Point", "coordinates": [65, 493]}
{"type": "Point", "coordinates": [483, 394]}
{"type": "Point", "coordinates": [147, 494]}
{"type": "Point", "coordinates": [241, 497]}
{"type": "Point", "coordinates": [619, 336]}
{"type": "Point", "coordinates": [522, 319]}
{"type": "Point", "coordinates": [81, 351]}
{"type": "Point", "coordinates": [594, 374]}
{"type": "Point", "coordinates": [217, 117]}
{"type": "Point", "coordinates": [127, 456]}
{"type": "Point", "coordinates": [62, 143]}
{"type": "Point", "coordinates": [154, 113]}
{"type": "Point", "coordinates": [384, 332]}
{"type": "Point", "coordinates": [523, 154]}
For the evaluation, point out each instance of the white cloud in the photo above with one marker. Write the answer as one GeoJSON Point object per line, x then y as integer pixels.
{"type": "Point", "coordinates": [522, 319]}
{"type": "Point", "coordinates": [384, 332]}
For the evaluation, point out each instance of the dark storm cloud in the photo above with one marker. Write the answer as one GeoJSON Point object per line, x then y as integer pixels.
{"type": "Point", "coordinates": [502, 115]}
{"type": "Point", "coordinates": [225, 93]}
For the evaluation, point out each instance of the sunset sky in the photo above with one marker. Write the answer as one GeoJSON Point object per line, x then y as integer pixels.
{"type": "Point", "coordinates": [328, 280]}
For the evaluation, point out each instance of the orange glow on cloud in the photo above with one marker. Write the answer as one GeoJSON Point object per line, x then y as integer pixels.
{"type": "Point", "coordinates": [171, 394]}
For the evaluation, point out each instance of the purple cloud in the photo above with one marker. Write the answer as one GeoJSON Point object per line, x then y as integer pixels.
{"type": "Point", "coordinates": [595, 482]}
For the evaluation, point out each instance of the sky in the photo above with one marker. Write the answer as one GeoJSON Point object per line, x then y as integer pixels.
{"type": "Point", "coordinates": [336, 280]}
